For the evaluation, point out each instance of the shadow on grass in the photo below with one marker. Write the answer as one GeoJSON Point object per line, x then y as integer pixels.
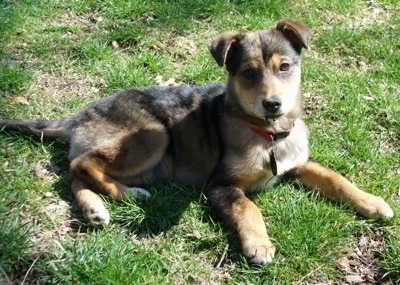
{"type": "Point", "coordinates": [150, 217]}
{"type": "Point", "coordinates": [157, 214]}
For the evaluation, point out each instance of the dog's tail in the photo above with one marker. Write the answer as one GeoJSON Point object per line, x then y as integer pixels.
{"type": "Point", "coordinates": [40, 127]}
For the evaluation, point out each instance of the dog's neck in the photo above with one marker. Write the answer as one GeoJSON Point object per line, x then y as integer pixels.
{"type": "Point", "coordinates": [271, 136]}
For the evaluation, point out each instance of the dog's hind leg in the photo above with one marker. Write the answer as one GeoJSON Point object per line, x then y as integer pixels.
{"type": "Point", "coordinates": [90, 203]}
{"type": "Point", "coordinates": [339, 189]}
{"type": "Point", "coordinates": [99, 170]}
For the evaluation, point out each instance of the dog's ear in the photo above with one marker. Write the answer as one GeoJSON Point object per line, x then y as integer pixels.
{"type": "Point", "coordinates": [222, 48]}
{"type": "Point", "coordinates": [296, 32]}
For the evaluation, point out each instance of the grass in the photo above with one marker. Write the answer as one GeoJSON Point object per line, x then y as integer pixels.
{"type": "Point", "coordinates": [60, 55]}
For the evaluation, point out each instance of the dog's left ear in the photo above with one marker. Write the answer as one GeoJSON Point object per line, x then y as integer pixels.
{"type": "Point", "coordinates": [223, 47]}
{"type": "Point", "coordinates": [296, 32]}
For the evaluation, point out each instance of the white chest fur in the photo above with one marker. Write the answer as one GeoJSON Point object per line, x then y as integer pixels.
{"type": "Point", "coordinates": [288, 153]}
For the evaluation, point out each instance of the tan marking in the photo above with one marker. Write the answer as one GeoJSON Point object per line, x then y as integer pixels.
{"type": "Point", "coordinates": [249, 224]}
{"type": "Point", "coordinates": [248, 180]}
{"type": "Point", "coordinates": [93, 171]}
{"type": "Point", "coordinates": [131, 153]}
{"type": "Point", "coordinates": [275, 62]}
{"type": "Point", "coordinates": [90, 204]}
{"type": "Point", "coordinates": [339, 189]}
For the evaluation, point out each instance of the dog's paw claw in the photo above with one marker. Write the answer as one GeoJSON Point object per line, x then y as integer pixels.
{"type": "Point", "coordinates": [263, 259]}
{"type": "Point", "coordinates": [98, 216]}
{"type": "Point", "coordinates": [138, 192]}
{"type": "Point", "coordinates": [261, 254]}
{"type": "Point", "coordinates": [376, 208]}
{"type": "Point", "coordinates": [383, 210]}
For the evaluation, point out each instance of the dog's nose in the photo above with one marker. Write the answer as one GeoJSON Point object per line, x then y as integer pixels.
{"type": "Point", "coordinates": [272, 105]}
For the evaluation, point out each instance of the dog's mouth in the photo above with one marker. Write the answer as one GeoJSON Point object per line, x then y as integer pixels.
{"type": "Point", "coordinates": [273, 117]}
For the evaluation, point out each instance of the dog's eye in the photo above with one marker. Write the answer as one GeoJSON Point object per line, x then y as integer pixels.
{"type": "Point", "coordinates": [284, 66]}
{"type": "Point", "coordinates": [248, 73]}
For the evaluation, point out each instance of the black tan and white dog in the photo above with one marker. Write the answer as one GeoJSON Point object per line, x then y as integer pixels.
{"type": "Point", "coordinates": [236, 138]}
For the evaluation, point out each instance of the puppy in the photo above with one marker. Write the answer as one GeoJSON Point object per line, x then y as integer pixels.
{"type": "Point", "coordinates": [235, 138]}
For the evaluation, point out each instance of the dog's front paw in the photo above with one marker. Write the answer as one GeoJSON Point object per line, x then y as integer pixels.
{"type": "Point", "coordinates": [259, 251]}
{"type": "Point", "coordinates": [375, 208]}
{"type": "Point", "coordinates": [97, 215]}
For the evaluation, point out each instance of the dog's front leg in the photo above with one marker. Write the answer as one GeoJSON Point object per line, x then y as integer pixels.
{"type": "Point", "coordinates": [236, 210]}
{"type": "Point", "coordinates": [339, 189]}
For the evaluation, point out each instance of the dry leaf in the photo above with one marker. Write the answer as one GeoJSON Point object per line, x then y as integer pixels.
{"type": "Point", "coordinates": [343, 262]}
{"type": "Point", "coordinates": [19, 100]}
{"type": "Point", "coordinates": [196, 234]}
{"type": "Point", "coordinates": [354, 279]}
{"type": "Point", "coordinates": [169, 82]}
{"type": "Point", "coordinates": [115, 44]}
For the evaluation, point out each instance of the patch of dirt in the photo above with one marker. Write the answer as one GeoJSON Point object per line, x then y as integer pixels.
{"type": "Point", "coordinates": [216, 276]}
{"type": "Point", "coordinates": [314, 102]}
{"type": "Point", "coordinates": [169, 82]}
{"type": "Point", "coordinates": [59, 213]}
{"type": "Point", "coordinates": [360, 266]}
{"type": "Point", "coordinates": [47, 239]}
{"type": "Point", "coordinates": [47, 91]}
{"type": "Point", "coordinates": [372, 15]}
{"type": "Point", "coordinates": [67, 84]}
{"type": "Point", "coordinates": [353, 62]}
{"type": "Point", "coordinates": [86, 22]}
{"type": "Point", "coordinates": [45, 173]}
{"type": "Point", "coordinates": [180, 47]}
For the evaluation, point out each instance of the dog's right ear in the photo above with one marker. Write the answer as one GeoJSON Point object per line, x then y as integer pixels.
{"type": "Point", "coordinates": [222, 48]}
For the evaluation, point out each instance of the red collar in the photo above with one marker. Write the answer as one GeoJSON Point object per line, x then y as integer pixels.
{"type": "Point", "coordinates": [271, 136]}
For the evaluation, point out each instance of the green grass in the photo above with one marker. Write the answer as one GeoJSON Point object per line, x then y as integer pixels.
{"type": "Point", "coordinates": [61, 55]}
{"type": "Point", "coordinates": [103, 257]}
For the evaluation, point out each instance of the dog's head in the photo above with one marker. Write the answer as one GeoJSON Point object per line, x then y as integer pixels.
{"type": "Point", "coordinates": [264, 70]}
